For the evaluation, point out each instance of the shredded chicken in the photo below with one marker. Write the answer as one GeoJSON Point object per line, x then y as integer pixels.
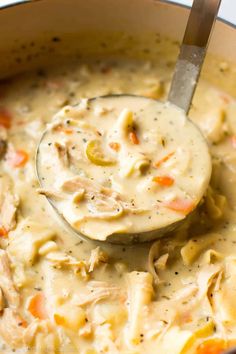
{"type": "Point", "coordinates": [8, 205]}
{"type": "Point", "coordinates": [73, 184]}
{"type": "Point", "coordinates": [41, 337]}
{"type": "Point", "coordinates": [104, 207]}
{"type": "Point", "coordinates": [223, 296]}
{"type": "Point", "coordinates": [62, 260]}
{"type": "Point", "coordinates": [62, 152]}
{"type": "Point", "coordinates": [153, 255]}
{"type": "Point", "coordinates": [6, 283]}
{"type": "Point", "coordinates": [97, 256]}
{"type": "Point", "coordinates": [98, 291]}
{"type": "Point", "coordinates": [26, 240]}
{"type": "Point", "coordinates": [50, 193]}
{"type": "Point", "coordinates": [102, 202]}
{"type": "Point", "coordinates": [11, 328]}
{"type": "Point", "coordinates": [98, 192]}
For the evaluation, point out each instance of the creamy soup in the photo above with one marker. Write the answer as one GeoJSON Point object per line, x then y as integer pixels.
{"type": "Point", "coordinates": [60, 294]}
{"type": "Point", "coordinates": [112, 169]}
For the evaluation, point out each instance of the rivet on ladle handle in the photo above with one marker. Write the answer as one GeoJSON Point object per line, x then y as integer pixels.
{"type": "Point", "coordinates": [192, 52]}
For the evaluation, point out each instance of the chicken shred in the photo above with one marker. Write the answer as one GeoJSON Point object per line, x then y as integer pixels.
{"type": "Point", "coordinates": [97, 256]}
{"type": "Point", "coordinates": [153, 256]}
{"type": "Point", "coordinates": [62, 260]}
{"type": "Point", "coordinates": [11, 328]}
{"type": "Point", "coordinates": [8, 205]}
{"type": "Point", "coordinates": [6, 283]}
{"type": "Point", "coordinates": [98, 291]}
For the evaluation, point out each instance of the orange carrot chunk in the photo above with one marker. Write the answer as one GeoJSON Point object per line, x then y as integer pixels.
{"type": "Point", "coordinates": [3, 232]}
{"type": "Point", "coordinates": [165, 181]}
{"type": "Point", "coordinates": [60, 320]}
{"type": "Point", "coordinates": [212, 346]}
{"type": "Point", "coordinates": [5, 118]}
{"type": "Point", "coordinates": [37, 306]}
{"type": "Point", "coordinates": [181, 205]}
{"type": "Point", "coordinates": [133, 138]}
{"type": "Point", "coordinates": [164, 159]}
{"type": "Point", "coordinates": [17, 158]}
{"type": "Point", "coordinates": [62, 129]}
{"type": "Point", "coordinates": [114, 146]}
{"type": "Point", "coordinates": [233, 141]}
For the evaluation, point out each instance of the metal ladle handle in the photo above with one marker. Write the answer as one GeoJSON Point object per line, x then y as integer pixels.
{"type": "Point", "coordinates": [192, 52]}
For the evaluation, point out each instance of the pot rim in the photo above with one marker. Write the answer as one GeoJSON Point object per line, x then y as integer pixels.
{"type": "Point", "coordinates": [171, 2]}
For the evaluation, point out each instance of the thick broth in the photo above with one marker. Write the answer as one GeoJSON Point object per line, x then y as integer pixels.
{"type": "Point", "coordinates": [61, 294]}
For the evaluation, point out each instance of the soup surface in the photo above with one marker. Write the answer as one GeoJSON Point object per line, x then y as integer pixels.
{"type": "Point", "coordinates": [123, 165]}
{"type": "Point", "coordinates": [60, 294]}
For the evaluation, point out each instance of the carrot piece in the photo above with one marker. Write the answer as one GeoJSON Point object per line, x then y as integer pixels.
{"type": "Point", "coordinates": [68, 131]}
{"type": "Point", "coordinates": [165, 181]}
{"type": "Point", "coordinates": [37, 306]}
{"type": "Point", "coordinates": [133, 138]}
{"type": "Point", "coordinates": [114, 146]}
{"type": "Point", "coordinates": [60, 320]}
{"type": "Point", "coordinates": [17, 158]}
{"type": "Point", "coordinates": [3, 232]}
{"type": "Point", "coordinates": [5, 118]}
{"type": "Point", "coordinates": [233, 141]}
{"type": "Point", "coordinates": [164, 159]}
{"type": "Point", "coordinates": [181, 205]}
{"type": "Point", "coordinates": [212, 346]}
{"type": "Point", "coordinates": [64, 130]}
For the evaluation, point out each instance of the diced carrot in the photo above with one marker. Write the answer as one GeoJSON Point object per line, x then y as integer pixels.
{"type": "Point", "coordinates": [62, 129]}
{"type": "Point", "coordinates": [164, 159]}
{"type": "Point", "coordinates": [17, 158]}
{"type": "Point", "coordinates": [212, 346]}
{"type": "Point", "coordinates": [114, 146]}
{"type": "Point", "coordinates": [181, 205]}
{"type": "Point", "coordinates": [60, 320]}
{"type": "Point", "coordinates": [3, 232]}
{"type": "Point", "coordinates": [164, 181]}
{"type": "Point", "coordinates": [68, 131]}
{"type": "Point", "coordinates": [133, 138]}
{"type": "Point", "coordinates": [5, 118]}
{"type": "Point", "coordinates": [37, 306]}
{"type": "Point", "coordinates": [233, 141]}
